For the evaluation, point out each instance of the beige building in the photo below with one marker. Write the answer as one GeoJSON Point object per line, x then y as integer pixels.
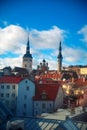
{"type": "Point", "coordinates": [83, 71]}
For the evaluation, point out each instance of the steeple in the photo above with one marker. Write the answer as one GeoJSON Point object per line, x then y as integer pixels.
{"type": "Point", "coordinates": [28, 50]}
{"type": "Point", "coordinates": [28, 47]}
{"type": "Point", "coordinates": [27, 58]}
{"type": "Point", "coordinates": [60, 58]}
{"type": "Point", "coordinates": [60, 48]}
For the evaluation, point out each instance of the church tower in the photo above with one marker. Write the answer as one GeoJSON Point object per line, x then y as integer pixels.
{"type": "Point", "coordinates": [27, 58]}
{"type": "Point", "coordinates": [60, 58]}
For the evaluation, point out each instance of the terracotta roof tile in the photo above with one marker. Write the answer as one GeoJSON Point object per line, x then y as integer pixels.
{"type": "Point", "coordinates": [51, 91]}
{"type": "Point", "coordinates": [10, 79]}
{"type": "Point", "coordinates": [80, 82]}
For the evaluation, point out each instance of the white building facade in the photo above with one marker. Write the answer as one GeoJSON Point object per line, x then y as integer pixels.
{"type": "Point", "coordinates": [43, 107]}
{"type": "Point", "coordinates": [8, 95]}
{"type": "Point", "coordinates": [16, 93]}
{"type": "Point", "coordinates": [59, 98]}
{"type": "Point", "coordinates": [26, 91]}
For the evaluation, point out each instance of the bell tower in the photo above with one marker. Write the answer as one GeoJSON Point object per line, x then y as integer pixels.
{"type": "Point", "coordinates": [60, 58]}
{"type": "Point", "coordinates": [27, 59]}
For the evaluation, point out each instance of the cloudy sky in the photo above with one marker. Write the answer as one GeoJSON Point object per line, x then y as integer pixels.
{"type": "Point", "coordinates": [47, 22]}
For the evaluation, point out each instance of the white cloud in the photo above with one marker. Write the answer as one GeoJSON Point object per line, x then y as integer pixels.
{"type": "Point", "coordinates": [13, 38]}
{"type": "Point", "coordinates": [47, 38]}
{"type": "Point", "coordinates": [71, 54]}
{"type": "Point", "coordinates": [74, 55]}
{"type": "Point", "coordinates": [83, 31]}
{"type": "Point", "coordinates": [10, 62]}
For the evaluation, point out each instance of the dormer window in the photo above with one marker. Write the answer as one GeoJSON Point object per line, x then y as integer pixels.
{"type": "Point", "coordinates": [44, 95]}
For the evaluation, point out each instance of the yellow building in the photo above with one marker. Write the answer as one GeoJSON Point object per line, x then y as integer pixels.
{"type": "Point", "coordinates": [83, 71]}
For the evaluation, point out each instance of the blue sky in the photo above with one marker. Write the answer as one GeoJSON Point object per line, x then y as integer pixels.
{"type": "Point", "coordinates": [48, 23]}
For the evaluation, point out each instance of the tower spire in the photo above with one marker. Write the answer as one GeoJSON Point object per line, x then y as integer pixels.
{"type": "Point", "coordinates": [60, 58]}
{"type": "Point", "coordinates": [28, 47]}
{"type": "Point", "coordinates": [60, 48]}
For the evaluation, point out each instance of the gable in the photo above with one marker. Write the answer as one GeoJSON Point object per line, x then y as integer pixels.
{"type": "Point", "coordinates": [50, 91]}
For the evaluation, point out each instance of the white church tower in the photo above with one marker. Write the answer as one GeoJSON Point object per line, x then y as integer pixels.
{"type": "Point", "coordinates": [27, 58]}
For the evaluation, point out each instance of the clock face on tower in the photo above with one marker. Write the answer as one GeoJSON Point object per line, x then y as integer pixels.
{"type": "Point", "coordinates": [25, 60]}
{"type": "Point", "coordinates": [28, 60]}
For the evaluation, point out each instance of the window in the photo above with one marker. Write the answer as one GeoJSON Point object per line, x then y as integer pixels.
{"type": "Point", "coordinates": [25, 105]}
{"type": "Point", "coordinates": [7, 95]}
{"type": "Point", "coordinates": [36, 112]}
{"type": "Point", "coordinates": [50, 105]}
{"type": "Point", "coordinates": [43, 105]}
{"type": "Point", "coordinates": [36, 104]}
{"type": "Point", "coordinates": [26, 81]}
{"type": "Point", "coordinates": [2, 94]}
{"type": "Point", "coordinates": [8, 86]}
{"type": "Point", "coordinates": [24, 113]}
{"type": "Point", "coordinates": [13, 86]}
{"type": "Point", "coordinates": [25, 96]}
{"type": "Point", "coordinates": [2, 86]}
{"type": "Point", "coordinates": [25, 65]}
{"type": "Point", "coordinates": [27, 88]}
{"type": "Point", "coordinates": [13, 94]}
{"type": "Point", "coordinates": [44, 95]}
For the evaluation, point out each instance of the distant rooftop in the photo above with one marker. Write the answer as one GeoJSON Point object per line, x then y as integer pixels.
{"type": "Point", "coordinates": [10, 79]}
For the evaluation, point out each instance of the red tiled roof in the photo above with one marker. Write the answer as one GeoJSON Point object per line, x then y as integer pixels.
{"type": "Point", "coordinates": [49, 75]}
{"type": "Point", "coordinates": [10, 79]}
{"type": "Point", "coordinates": [51, 91]}
{"type": "Point", "coordinates": [80, 82]}
{"type": "Point", "coordinates": [77, 82]}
